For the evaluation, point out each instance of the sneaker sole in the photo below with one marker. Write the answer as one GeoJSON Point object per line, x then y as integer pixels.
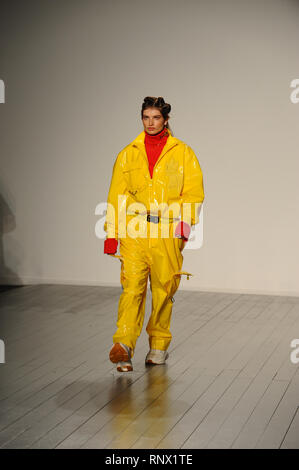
{"type": "Point", "coordinates": [118, 354]}
{"type": "Point", "coordinates": [124, 368]}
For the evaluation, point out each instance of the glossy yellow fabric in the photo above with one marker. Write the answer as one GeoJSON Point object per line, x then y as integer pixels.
{"type": "Point", "coordinates": [150, 250]}
{"type": "Point", "coordinates": [177, 179]}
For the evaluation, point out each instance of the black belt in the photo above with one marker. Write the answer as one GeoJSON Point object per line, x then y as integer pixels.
{"type": "Point", "coordinates": [152, 218]}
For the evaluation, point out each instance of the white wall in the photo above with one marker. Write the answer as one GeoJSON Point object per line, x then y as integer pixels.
{"type": "Point", "coordinates": [75, 75]}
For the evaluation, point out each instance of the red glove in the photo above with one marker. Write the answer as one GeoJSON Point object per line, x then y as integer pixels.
{"type": "Point", "coordinates": [110, 246]}
{"type": "Point", "coordinates": [183, 230]}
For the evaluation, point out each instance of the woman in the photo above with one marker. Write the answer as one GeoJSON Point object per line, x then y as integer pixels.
{"type": "Point", "coordinates": [154, 176]}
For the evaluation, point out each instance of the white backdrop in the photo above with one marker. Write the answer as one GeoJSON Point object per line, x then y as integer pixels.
{"type": "Point", "coordinates": [75, 75]}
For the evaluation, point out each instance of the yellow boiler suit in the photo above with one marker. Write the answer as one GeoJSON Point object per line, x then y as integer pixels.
{"type": "Point", "coordinates": [147, 244]}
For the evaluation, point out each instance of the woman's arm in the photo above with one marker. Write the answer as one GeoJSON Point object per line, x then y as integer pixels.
{"type": "Point", "coordinates": [117, 188]}
{"type": "Point", "coordinates": [192, 195]}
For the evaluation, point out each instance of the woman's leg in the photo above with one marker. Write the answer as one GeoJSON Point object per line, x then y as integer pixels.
{"type": "Point", "coordinates": [133, 278]}
{"type": "Point", "coordinates": [167, 261]}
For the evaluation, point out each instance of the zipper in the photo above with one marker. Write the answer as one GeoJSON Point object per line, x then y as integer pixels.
{"type": "Point", "coordinates": [159, 158]}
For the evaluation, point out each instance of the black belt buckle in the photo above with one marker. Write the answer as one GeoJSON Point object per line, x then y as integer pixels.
{"type": "Point", "coordinates": [152, 218]}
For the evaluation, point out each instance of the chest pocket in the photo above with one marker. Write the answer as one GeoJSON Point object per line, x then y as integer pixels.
{"type": "Point", "coordinates": [174, 178]}
{"type": "Point", "coordinates": [134, 176]}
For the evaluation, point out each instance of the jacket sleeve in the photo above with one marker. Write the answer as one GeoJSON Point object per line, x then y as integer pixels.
{"type": "Point", "coordinates": [117, 188]}
{"type": "Point", "coordinates": [193, 189]}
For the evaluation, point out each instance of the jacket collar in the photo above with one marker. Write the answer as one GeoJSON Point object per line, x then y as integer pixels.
{"type": "Point", "coordinates": [171, 142]}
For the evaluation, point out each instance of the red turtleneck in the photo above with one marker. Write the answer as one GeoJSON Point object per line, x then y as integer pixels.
{"type": "Point", "coordinates": [154, 145]}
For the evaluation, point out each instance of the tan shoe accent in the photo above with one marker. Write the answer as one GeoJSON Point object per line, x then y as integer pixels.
{"type": "Point", "coordinates": [118, 353]}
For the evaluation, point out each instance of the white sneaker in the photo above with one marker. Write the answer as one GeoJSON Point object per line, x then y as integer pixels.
{"type": "Point", "coordinates": [156, 356]}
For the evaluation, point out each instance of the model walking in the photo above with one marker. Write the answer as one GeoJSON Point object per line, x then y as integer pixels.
{"type": "Point", "coordinates": [154, 176]}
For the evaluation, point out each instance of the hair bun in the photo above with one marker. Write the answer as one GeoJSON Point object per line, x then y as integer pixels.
{"type": "Point", "coordinates": [160, 101]}
{"type": "Point", "coordinates": [149, 100]}
{"type": "Point", "coordinates": [153, 101]}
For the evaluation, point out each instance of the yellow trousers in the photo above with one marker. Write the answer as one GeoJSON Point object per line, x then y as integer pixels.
{"type": "Point", "coordinates": [159, 258]}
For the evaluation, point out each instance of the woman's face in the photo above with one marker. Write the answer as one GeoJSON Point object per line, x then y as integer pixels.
{"type": "Point", "coordinates": [153, 121]}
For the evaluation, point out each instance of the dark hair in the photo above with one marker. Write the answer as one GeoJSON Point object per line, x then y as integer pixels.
{"type": "Point", "coordinates": [153, 102]}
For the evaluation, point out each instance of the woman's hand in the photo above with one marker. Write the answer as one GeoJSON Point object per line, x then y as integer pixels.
{"type": "Point", "coordinates": [110, 246]}
{"type": "Point", "coordinates": [182, 230]}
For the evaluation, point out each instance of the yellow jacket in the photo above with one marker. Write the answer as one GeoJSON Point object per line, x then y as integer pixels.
{"type": "Point", "coordinates": [177, 178]}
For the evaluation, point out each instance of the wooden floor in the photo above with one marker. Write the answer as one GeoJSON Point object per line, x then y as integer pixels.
{"type": "Point", "coordinates": [229, 381]}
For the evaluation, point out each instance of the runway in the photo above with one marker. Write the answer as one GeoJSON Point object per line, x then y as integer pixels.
{"type": "Point", "coordinates": [229, 381]}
